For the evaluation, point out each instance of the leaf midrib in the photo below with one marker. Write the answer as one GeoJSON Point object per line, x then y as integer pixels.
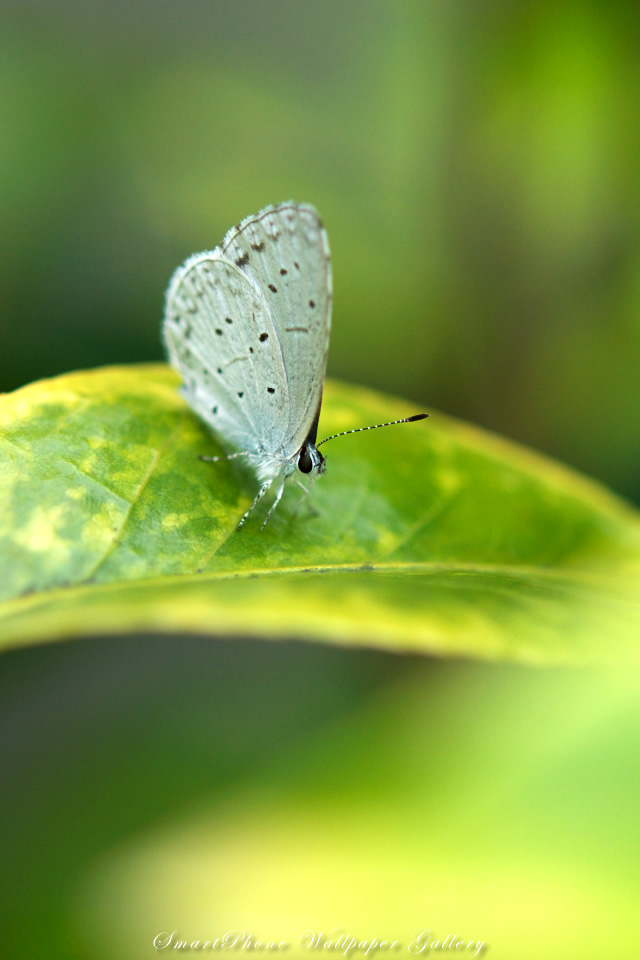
{"type": "Point", "coordinates": [567, 578]}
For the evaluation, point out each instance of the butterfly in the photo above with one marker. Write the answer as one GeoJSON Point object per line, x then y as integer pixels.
{"type": "Point", "coordinates": [247, 327]}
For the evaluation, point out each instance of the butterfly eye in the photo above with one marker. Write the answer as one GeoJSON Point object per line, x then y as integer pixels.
{"type": "Point", "coordinates": [305, 464]}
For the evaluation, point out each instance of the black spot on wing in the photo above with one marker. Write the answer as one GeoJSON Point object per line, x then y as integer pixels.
{"type": "Point", "coordinates": [243, 260]}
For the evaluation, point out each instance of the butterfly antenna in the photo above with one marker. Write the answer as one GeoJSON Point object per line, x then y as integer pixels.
{"type": "Point", "coordinates": [391, 423]}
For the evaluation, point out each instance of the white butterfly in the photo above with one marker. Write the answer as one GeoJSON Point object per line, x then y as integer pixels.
{"type": "Point", "coordinates": [247, 326]}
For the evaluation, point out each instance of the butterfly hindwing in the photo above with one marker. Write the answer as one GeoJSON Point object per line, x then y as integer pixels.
{"type": "Point", "coordinates": [221, 337]}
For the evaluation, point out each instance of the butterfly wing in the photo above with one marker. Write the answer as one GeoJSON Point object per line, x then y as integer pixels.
{"type": "Point", "coordinates": [283, 251]}
{"type": "Point", "coordinates": [221, 338]}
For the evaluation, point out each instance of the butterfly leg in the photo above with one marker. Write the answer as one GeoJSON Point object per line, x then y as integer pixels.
{"type": "Point", "coordinates": [228, 456]}
{"type": "Point", "coordinates": [261, 492]}
{"type": "Point", "coordinates": [273, 505]}
{"type": "Point", "coordinates": [304, 499]}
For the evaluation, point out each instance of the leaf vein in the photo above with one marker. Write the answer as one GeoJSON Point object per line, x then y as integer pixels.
{"type": "Point", "coordinates": [155, 459]}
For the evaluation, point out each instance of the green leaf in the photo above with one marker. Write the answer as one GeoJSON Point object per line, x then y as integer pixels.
{"type": "Point", "coordinates": [432, 537]}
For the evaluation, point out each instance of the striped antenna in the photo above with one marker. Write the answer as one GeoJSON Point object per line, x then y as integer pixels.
{"type": "Point", "coordinates": [391, 423]}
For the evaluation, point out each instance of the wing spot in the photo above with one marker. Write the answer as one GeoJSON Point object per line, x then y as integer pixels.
{"type": "Point", "coordinates": [271, 390]}
{"type": "Point", "coordinates": [241, 394]}
{"type": "Point", "coordinates": [220, 370]}
{"type": "Point", "coordinates": [258, 247]}
{"type": "Point", "coordinates": [228, 320]}
{"type": "Point", "coordinates": [283, 272]}
{"type": "Point", "coordinates": [250, 349]}
{"type": "Point", "coordinates": [263, 337]}
{"type": "Point", "coordinates": [272, 288]}
{"type": "Point", "coordinates": [242, 260]}
{"type": "Point", "coordinates": [219, 331]}
{"type": "Point", "coordinates": [214, 409]}
{"type": "Point", "coordinates": [312, 304]}
{"type": "Point", "coordinates": [296, 265]}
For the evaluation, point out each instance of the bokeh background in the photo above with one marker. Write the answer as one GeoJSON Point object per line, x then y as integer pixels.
{"type": "Point", "coordinates": [476, 165]}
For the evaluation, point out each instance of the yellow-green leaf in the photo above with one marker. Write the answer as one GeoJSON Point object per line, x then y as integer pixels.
{"type": "Point", "coordinates": [431, 537]}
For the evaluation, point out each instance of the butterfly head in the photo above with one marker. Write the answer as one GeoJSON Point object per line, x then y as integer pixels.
{"type": "Point", "coordinates": [310, 460]}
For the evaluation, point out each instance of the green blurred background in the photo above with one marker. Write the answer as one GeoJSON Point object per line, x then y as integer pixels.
{"type": "Point", "coordinates": [476, 165]}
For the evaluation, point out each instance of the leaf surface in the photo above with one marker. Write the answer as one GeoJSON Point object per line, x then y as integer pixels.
{"type": "Point", "coordinates": [432, 537]}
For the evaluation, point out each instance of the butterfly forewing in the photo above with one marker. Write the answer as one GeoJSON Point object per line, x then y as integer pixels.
{"type": "Point", "coordinates": [284, 253]}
